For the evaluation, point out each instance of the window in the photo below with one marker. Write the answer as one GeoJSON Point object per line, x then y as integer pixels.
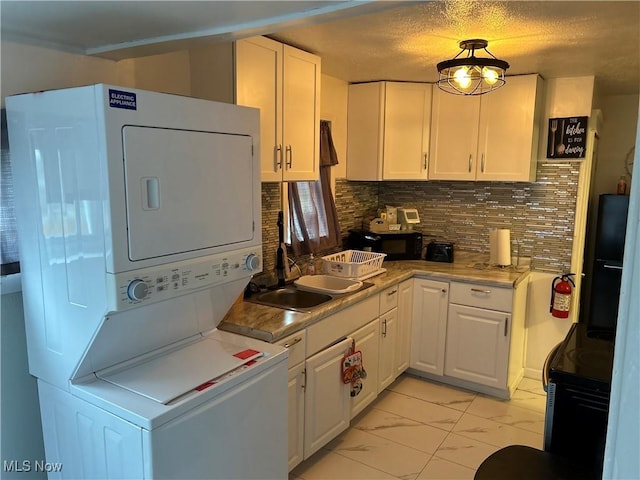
{"type": "Point", "coordinates": [8, 234]}
{"type": "Point", "coordinates": [313, 221]}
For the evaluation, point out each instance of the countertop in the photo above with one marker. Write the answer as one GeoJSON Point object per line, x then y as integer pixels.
{"type": "Point", "coordinates": [272, 324]}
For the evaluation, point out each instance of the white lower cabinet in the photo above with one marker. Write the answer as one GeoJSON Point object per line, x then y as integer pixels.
{"type": "Point", "coordinates": [477, 346]}
{"type": "Point", "coordinates": [295, 344]}
{"type": "Point", "coordinates": [388, 339]}
{"type": "Point", "coordinates": [402, 352]}
{"type": "Point", "coordinates": [295, 398]}
{"type": "Point", "coordinates": [470, 335]}
{"type": "Point", "coordinates": [327, 399]}
{"type": "Point", "coordinates": [367, 342]}
{"type": "Point", "coordinates": [429, 325]}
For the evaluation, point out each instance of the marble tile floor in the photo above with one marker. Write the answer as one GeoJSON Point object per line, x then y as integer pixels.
{"type": "Point", "coordinates": [418, 430]}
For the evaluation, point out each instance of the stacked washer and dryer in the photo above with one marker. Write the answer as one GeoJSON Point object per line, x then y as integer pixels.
{"type": "Point", "coordinates": [139, 222]}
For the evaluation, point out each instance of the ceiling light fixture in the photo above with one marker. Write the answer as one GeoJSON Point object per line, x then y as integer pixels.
{"type": "Point", "coordinates": [471, 75]}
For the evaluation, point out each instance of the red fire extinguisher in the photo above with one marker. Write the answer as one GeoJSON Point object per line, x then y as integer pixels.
{"type": "Point", "coordinates": [561, 295]}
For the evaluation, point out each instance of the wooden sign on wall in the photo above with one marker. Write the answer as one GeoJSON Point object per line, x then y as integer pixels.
{"type": "Point", "coordinates": [567, 137]}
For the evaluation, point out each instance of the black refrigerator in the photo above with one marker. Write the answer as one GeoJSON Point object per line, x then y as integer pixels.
{"type": "Point", "coordinates": [602, 311]}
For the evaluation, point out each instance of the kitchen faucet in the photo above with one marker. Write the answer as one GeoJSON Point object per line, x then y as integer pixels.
{"type": "Point", "coordinates": [280, 253]}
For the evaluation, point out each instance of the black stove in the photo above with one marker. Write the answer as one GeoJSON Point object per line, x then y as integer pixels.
{"type": "Point", "coordinates": [578, 396]}
{"type": "Point", "coordinates": [584, 358]}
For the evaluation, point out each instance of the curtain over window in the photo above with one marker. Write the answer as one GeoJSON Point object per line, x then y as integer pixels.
{"type": "Point", "coordinates": [313, 220]}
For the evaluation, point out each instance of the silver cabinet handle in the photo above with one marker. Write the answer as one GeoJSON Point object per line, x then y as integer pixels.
{"type": "Point", "coordinates": [612, 267]}
{"type": "Point", "coordinates": [277, 154]}
{"type": "Point", "coordinates": [290, 156]}
{"type": "Point", "coordinates": [478, 290]}
{"type": "Point", "coordinates": [506, 323]}
{"type": "Point", "coordinates": [482, 164]}
{"type": "Point", "coordinates": [295, 341]}
{"type": "Point", "coordinates": [470, 162]}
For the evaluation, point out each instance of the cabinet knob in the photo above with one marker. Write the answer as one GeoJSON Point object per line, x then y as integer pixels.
{"type": "Point", "coordinates": [444, 290]}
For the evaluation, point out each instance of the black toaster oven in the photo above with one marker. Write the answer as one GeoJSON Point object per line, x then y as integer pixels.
{"type": "Point", "coordinates": [439, 252]}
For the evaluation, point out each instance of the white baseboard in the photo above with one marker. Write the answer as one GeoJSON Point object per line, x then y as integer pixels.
{"type": "Point", "coordinates": [532, 373]}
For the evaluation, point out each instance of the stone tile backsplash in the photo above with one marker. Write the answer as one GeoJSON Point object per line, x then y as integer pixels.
{"type": "Point", "coordinates": [540, 215]}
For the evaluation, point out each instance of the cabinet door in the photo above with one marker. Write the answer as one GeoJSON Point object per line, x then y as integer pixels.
{"type": "Point", "coordinates": [403, 339]}
{"type": "Point", "coordinates": [454, 136]}
{"type": "Point", "coordinates": [365, 128]}
{"type": "Point", "coordinates": [296, 415]}
{"type": "Point", "coordinates": [367, 341]}
{"type": "Point", "coordinates": [478, 345]}
{"type": "Point", "coordinates": [407, 120]}
{"type": "Point", "coordinates": [259, 85]}
{"type": "Point", "coordinates": [327, 400]}
{"type": "Point", "coordinates": [301, 114]}
{"type": "Point", "coordinates": [429, 325]}
{"type": "Point", "coordinates": [509, 130]}
{"type": "Point", "coordinates": [388, 335]}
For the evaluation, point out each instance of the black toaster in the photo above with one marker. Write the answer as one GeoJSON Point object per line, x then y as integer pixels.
{"type": "Point", "coordinates": [439, 252]}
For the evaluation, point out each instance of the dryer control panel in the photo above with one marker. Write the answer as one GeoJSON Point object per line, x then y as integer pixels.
{"type": "Point", "coordinates": [154, 284]}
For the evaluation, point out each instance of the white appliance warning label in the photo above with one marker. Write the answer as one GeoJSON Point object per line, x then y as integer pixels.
{"type": "Point", "coordinates": [120, 99]}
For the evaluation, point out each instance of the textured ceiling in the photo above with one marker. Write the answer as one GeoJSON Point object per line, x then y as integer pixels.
{"type": "Point", "coordinates": [357, 40]}
{"type": "Point", "coordinates": [553, 38]}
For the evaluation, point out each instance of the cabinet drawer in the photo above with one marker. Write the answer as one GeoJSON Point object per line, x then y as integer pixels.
{"type": "Point", "coordinates": [341, 324]}
{"type": "Point", "coordinates": [296, 345]}
{"type": "Point", "coordinates": [388, 299]}
{"type": "Point", "coordinates": [482, 296]}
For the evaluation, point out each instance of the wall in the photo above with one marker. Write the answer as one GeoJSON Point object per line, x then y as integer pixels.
{"type": "Point", "coordinates": [46, 69]}
{"type": "Point", "coordinates": [21, 435]}
{"type": "Point", "coordinates": [333, 107]}
{"type": "Point", "coordinates": [620, 114]}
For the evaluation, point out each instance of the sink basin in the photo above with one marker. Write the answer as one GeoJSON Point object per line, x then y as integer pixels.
{"type": "Point", "coordinates": [327, 284]}
{"type": "Point", "coordinates": [291, 298]}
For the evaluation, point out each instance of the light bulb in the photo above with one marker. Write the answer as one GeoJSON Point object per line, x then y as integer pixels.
{"type": "Point", "coordinates": [461, 77]}
{"type": "Point", "coordinates": [489, 75]}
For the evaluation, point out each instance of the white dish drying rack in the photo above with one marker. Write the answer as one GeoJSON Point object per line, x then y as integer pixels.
{"type": "Point", "coordinates": [354, 264]}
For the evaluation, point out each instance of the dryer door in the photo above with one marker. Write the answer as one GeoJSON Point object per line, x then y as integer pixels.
{"type": "Point", "coordinates": [186, 190]}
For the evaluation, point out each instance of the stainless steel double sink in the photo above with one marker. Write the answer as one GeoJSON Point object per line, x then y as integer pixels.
{"type": "Point", "coordinates": [293, 298]}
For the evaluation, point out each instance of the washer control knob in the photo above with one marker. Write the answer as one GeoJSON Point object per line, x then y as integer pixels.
{"type": "Point", "coordinates": [137, 290]}
{"type": "Point", "coordinates": [252, 261]}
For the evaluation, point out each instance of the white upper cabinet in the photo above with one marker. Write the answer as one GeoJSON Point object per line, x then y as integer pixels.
{"type": "Point", "coordinates": [284, 83]}
{"type": "Point", "coordinates": [454, 136]}
{"type": "Point", "coordinates": [388, 130]}
{"type": "Point", "coordinates": [489, 137]}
